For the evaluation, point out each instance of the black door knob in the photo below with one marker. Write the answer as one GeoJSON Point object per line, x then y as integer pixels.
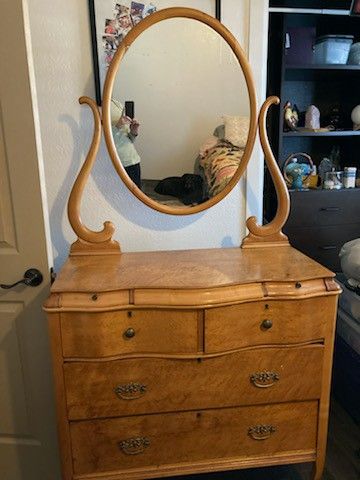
{"type": "Point", "coordinates": [32, 278]}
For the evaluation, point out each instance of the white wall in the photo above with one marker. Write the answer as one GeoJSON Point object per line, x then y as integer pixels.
{"type": "Point", "coordinates": [177, 103]}
{"type": "Point", "coordinates": [63, 68]}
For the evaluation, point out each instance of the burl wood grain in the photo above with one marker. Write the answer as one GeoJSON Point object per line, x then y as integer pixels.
{"type": "Point", "coordinates": [293, 321]}
{"type": "Point", "coordinates": [207, 268]}
{"type": "Point", "coordinates": [193, 436]}
{"type": "Point", "coordinates": [187, 384]}
{"type": "Point", "coordinates": [103, 334]}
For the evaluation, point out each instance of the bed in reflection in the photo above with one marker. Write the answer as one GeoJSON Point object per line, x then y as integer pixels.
{"type": "Point", "coordinates": [215, 165]}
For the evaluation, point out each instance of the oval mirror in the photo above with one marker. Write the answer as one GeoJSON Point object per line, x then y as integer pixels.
{"type": "Point", "coordinates": [179, 111]}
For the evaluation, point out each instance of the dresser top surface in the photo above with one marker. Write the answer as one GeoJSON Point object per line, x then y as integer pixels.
{"type": "Point", "coordinates": [186, 269]}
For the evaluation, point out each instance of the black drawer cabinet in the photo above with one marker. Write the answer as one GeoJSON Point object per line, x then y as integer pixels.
{"type": "Point", "coordinates": [321, 221]}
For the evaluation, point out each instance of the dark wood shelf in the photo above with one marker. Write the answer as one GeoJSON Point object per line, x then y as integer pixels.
{"type": "Point", "coordinates": [341, 133]}
{"type": "Point", "coordinates": [349, 68]}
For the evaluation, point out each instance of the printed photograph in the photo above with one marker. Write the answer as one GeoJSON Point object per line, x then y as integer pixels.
{"type": "Point", "coordinates": [111, 27]}
{"type": "Point", "coordinates": [110, 45]}
{"type": "Point", "coordinates": [121, 10]}
{"type": "Point", "coordinates": [136, 12]}
{"type": "Point", "coordinates": [148, 10]}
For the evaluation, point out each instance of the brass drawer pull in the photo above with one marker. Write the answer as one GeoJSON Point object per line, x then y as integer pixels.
{"type": "Point", "coordinates": [266, 324]}
{"type": "Point", "coordinates": [129, 333]}
{"type": "Point", "coordinates": [134, 446]}
{"type": "Point", "coordinates": [261, 432]}
{"type": "Point", "coordinates": [264, 379]}
{"type": "Point", "coordinates": [130, 391]}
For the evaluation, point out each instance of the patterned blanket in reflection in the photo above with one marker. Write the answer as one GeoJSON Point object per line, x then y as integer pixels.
{"type": "Point", "coordinates": [220, 165]}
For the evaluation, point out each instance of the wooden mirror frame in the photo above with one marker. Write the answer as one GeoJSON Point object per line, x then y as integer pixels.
{"type": "Point", "coordinates": [100, 242]}
{"type": "Point", "coordinates": [161, 15]}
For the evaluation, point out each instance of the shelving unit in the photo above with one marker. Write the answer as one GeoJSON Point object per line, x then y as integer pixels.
{"type": "Point", "coordinates": [325, 86]}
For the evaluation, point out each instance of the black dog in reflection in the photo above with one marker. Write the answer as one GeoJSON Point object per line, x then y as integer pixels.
{"type": "Point", "coordinates": [189, 188]}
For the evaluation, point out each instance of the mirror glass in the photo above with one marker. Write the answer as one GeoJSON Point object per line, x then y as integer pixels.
{"type": "Point", "coordinates": [180, 112]}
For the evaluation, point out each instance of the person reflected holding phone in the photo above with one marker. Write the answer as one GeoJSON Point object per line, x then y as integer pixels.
{"type": "Point", "coordinates": [125, 129]}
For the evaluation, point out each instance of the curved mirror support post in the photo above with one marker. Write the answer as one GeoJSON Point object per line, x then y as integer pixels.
{"type": "Point", "coordinates": [97, 242]}
{"type": "Point", "coordinates": [270, 234]}
{"type": "Point", "coordinates": [190, 85]}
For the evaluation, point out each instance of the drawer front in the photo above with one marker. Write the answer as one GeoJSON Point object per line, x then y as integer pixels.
{"type": "Point", "coordinates": [323, 244]}
{"type": "Point", "coordinates": [322, 208]}
{"type": "Point", "coordinates": [153, 440]}
{"type": "Point", "coordinates": [153, 385]}
{"type": "Point", "coordinates": [264, 323]}
{"type": "Point", "coordinates": [94, 335]}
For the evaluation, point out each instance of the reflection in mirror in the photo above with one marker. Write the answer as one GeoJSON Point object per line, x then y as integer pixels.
{"type": "Point", "coordinates": [180, 112]}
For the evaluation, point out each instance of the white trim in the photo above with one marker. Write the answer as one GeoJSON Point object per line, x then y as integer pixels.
{"type": "Point", "coordinates": [258, 45]}
{"type": "Point", "coordinates": [314, 11]}
{"type": "Point", "coordinates": [35, 108]}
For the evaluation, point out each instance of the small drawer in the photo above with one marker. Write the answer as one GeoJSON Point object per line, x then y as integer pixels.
{"type": "Point", "coordinates": [115, 445]}
{"type": "Point", "coordinates": [154, 385]}
{"type": "Point", "coordinates": [107, 334]}
{"type": "Point", "coordinates": [265, 323]}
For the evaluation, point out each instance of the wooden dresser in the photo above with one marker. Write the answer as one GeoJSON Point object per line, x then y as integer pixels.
{"type": "Point", "coordinates": [169, 363]}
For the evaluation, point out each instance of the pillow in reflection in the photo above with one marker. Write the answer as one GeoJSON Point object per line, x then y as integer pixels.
{"type": "Point", "coordinates": [236, 130]}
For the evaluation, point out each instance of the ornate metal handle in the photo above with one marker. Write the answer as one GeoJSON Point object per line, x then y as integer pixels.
{"type": "Point", "coordinates": [134, 446]}
{"type": "Point", "coordinates": [264, 379]}
{"type": "Point", "coordinates": [32, 278]}
{"type": "Point", "coordinates": [130, 391]}
{"type": "Point", "coordinates": [261, 432]}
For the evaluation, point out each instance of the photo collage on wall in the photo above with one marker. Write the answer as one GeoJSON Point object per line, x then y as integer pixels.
{"type": "Point", "coordinates": [124, 18]}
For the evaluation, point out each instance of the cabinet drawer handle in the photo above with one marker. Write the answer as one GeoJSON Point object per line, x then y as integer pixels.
{"type": "Point", "coordinates": [328, 247]}
{"type": "Point", "coordinates": [129, 333]}
{"type": "Point", "coordinates": [130, 391]}
{"type": "Point", "coordinates": [261, 432]}
{"type": "Point", "coordinates": [134, 446]}
{"type": "Point", "coordinates": [266, 324]}
{"type": "Point", "coordinates": [330, 209]}
{"type": "Point", "coordinates": [264, 379]}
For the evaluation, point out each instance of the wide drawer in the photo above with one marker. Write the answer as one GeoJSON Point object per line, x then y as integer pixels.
{"type": "Point", "coordinates": [270, 322]}
{"type": "Point", "coordinates": [323, 243]}
{"type": "Point", "coordinates": [324, 207]}
{"type": "Point", "coordinates": [154, 440]}
{"type": "Point", "coordinates": [137, 331]}
{"type": "Point", "coordinates": [153, 385]}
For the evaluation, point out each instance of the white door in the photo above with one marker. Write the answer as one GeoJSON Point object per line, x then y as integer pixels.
{"type": "Point", "coordinates": [28, 449]}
